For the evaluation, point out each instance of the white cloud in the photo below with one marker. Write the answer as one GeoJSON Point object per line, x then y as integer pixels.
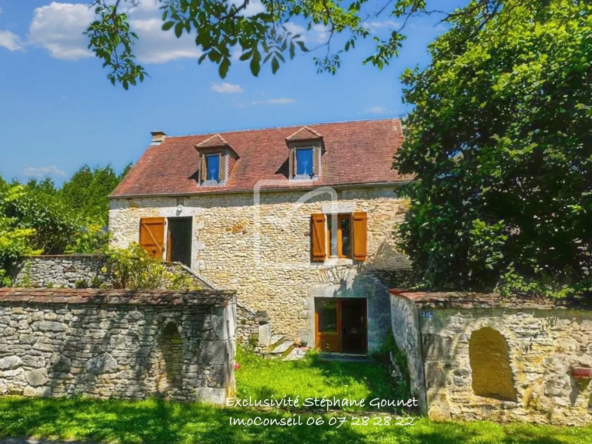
{"type": "Point", "coordinates": [58, 27]}
{"type": "Point", "coordinates": [42, 171]}
{"type": "Point", "coordinates": [253, 8]}
{"type": "Point", "coordinates": [282, 101]}
{"type": "Point", "coordinates": [374, 26]}
{"type": "Point", "coordinates": [0, 10]}
{"type": "Point", "coordinates": [158, 46]}
{"type": "Point", "coordinates": [376, 110]}
{"type": "Point", "coordinates": [226, 88]}
{"type": "Point", "coordinates": [11, 41]}
{"type": "Point", "coordinates": [319, 33]}
{"type": "Point", "coordinates": [294, 28]}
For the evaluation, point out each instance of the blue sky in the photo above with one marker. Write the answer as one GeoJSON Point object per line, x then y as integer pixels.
{"type": "Point", "coordinates": [58, 111]}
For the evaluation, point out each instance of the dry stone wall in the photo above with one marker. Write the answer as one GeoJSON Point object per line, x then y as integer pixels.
{"type": "Point", "coordinates": [516, 359]}
{"type": "Point", "coordinates": [118, 344]}
{"type": "Point", "coordinates": [65, 271]}
{"type": "Point", "coordinates": [263, 251]}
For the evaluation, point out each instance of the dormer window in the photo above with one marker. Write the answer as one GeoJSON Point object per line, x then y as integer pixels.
{"type": "Point", "coordinates": [216, 160]}
{"type": "Point", "coordinates": [213, 167]}
{"type": "Point", "coordinates": [305, 154]}
{"type": "Point", "coordinates": [304, 161]}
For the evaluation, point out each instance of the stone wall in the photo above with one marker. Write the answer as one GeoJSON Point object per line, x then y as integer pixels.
{"type": "Point", "coordinates": [60, 271]}
{"type": "Point", "coordinates": [521, 355]}
{"type": "Point", "coordinates": [80, 271]}
{"type": "Point", "coordinates": [263, 251]}
{"type": "Point", "coordinates": [123, 344]}
{"type": "Point", "coordinates": [405, 328]}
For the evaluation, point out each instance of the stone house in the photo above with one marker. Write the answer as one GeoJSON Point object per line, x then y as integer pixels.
{"type": "Point", "coordinates": [298, 220]}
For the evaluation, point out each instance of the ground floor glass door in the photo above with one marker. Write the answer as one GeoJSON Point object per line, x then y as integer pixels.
{"type": "Point", "coordinates": [341, 325]}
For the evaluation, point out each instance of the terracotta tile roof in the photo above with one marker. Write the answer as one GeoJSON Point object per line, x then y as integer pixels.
{"type": "Point", "coordinates": [359, 152]}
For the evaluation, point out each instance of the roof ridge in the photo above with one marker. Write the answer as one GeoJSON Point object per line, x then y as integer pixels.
{"type": "Point", "coordinates": [286, 126]}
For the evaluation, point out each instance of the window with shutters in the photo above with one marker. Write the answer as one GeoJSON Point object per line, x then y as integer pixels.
{"type": "Point", "coordinates": [339, 236]}
{"type": "Point", "coordinates": [214, 167]}
{"type": "Point", "coordinates": [305, 160]}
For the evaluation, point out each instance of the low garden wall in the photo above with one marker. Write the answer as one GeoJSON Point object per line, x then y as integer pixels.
{"type": "Point", "coordinates": [502, 359]}
{"type": "Point", "coordinates": [78, 271]}
{"type": "Point", "coordinates": [116, 343]}
{"type": "Point", "coordinates": [86, 270]}
{"type": "Point", "coordinates": [67, 271]}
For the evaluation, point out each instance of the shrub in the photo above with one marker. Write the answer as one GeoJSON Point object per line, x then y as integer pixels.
{"type": "Point", "coordinates": [133, 268]}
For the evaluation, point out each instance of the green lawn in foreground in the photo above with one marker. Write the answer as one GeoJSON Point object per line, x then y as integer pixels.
{"type": "Point", "coordinates": [159, 422]}
{"type": "Point", "coordinates": [311, 377]}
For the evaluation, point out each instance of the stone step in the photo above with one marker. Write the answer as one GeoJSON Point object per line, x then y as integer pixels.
{"type": "Point", "coordinates": [295, 354]}
{"type": "Point", "coordinates": [275, 340]}
{"type": "Point", "coordinates": [284, 347]}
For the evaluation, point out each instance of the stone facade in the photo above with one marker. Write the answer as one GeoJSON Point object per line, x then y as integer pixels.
{"type": "Point", "coordinates": [262, 249]}
{"type": "Point", "coordinates": [124, 344]}
{"type": "Point", "coordinates": [524, 354]}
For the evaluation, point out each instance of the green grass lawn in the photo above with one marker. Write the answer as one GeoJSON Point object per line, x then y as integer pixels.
{"type": "Point", "coordinates": [159, 422]}
{"type": "Point", "coordinates": [311, 377]}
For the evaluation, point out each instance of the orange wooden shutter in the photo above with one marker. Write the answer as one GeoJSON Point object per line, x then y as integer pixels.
{"type": "Point", "coordinates": [360, 235]}
{"type": "Point", "coordinates": [317, 237]}
{"type": "Point", "coordinates": [152, 235]}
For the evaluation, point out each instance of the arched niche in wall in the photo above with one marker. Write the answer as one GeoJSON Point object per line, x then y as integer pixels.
{"type": "Point", "coordinates": [490, 365]}
{"type": "Point", "coordinates": [169, 360]}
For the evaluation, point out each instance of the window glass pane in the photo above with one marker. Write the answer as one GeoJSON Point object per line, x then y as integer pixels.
{"type": "Point", "coordinates": [304, 161]}
{"type": "Point", "coordinates": [213, 167]}
{"type": "Point", "coordinates": [327, 316]}
{"type": "Point", "coordinates": [345, 226]}
{"type": "Point", "coordinates": [332, 234]}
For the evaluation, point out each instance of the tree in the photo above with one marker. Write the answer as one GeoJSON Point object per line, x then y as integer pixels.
{"type": "Point", "coordinates": [499, 142]}
{"type": "Point", "coordinates": [220, 26]}
{"type": "Point", "coordinates": [53, 224]}
{"type": "Point", "coordinates": [87, 190]}
{"type": "Point", "coordinates": [14, 241]}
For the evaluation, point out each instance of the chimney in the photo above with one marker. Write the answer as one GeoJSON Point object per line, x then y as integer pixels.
{"type": "Point", "coordinates": [157, 137]}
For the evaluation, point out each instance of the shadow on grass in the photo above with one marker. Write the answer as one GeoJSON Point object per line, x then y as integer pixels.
{"type": "Point", "coordinates": [163, 422]}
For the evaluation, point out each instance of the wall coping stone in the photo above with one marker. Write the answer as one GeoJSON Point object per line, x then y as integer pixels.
{"type": "Point", "coordinates": [65, 256]}
{"type": "Point", "coordinates": [460, 299]}
{"type": "Point", "coordinates": [117, 297]}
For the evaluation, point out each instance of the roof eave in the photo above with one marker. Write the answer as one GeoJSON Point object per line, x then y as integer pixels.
{"type": "Point", "coordinates": [396, 183]}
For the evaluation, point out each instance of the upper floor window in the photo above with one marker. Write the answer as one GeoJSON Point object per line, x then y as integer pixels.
{"type": "Point", "coordinates": [216, 160]}
{"type": "Point", "coordinates": [339, 236]}
{"type": "Point", "coordinates": [304, 161]}
{"type": "Point", "coordinates": [305, 154]}
{"type": "Point", "coordinates": [213, 167]}
{"type": "Point", "coordinates": [339, 233]}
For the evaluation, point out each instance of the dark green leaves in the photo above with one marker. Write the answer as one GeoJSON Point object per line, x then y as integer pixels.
{"type": "Point", "coordinates": [501, 152]}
